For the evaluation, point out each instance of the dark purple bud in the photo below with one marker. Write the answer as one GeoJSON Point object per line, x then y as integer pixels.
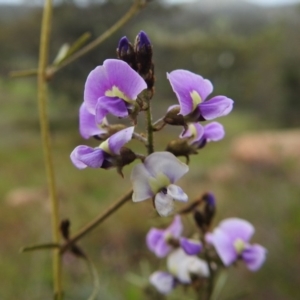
{"type": "Point", "coordinates": [210, 207]}
{"type": "Point", "coordinates": [126, 52]}
{"type": "Point", "coordinates": [142, 41]}
{"type": "Point", "coordinates": [209, 198]}
{"type": "Point", "coordinates": [145, 66]}
{"type": "Point", "coordinates": [123, 44]}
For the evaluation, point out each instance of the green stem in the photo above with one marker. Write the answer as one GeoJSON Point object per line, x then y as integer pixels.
{"type": "Point", "coordinates": [39, 247]}
{"type": "Point", "coordinates": [51, 70]}
{"type": "Point", "coordinates": [25, 73]}
{"type": "Point", "coordinates": [98, 220]}
{"type": "Point", "coordinates": [45, 135]}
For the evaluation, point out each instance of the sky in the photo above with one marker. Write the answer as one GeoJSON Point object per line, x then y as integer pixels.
{"type": "Point", "coordinates": [260, 2]}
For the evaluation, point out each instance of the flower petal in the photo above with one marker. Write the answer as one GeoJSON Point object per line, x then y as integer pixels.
{"type": "Point", "coordinates": [84, 156]}
{"type": "Point", "coordinates": [223, 245]}
{"type": "Point", "coordinates": [195, 132]}
{"type": "Point", "coordinates": [254, 256]}
{"type": "Point", "coordinates": [167, 164]}
{"type": "Point", "coordinates": [198, 266]}
{"type": "Point", "coordinates": [122, 76]}
{"type": "Point", "coordinates": [153, 237]}
{"type": "Point", "coordinates": [95, 87]}
{"type": "Point", "coordinates": [236, 228]}
{"type": "Point", "coordinates": [162, 248]}
{"type": "Point", "coordinates": [177, 193]}
{"type": "Point", "coordinates": [176, 228]}
{"type": "Point", "coordinates": [216, 107]}
{"type": "Point", "coordinates": [119, 139]}
{"type": "Point", "coordinates": [140, 183]}
{"type": "Point", "coordinates": [182, 266]}
{"type": "Point", "coordinates": [184, 83]}
{"type": "Point", "coordinates": [190, 247]}
{"type": "Point", "coordinates": [214, 131]}
{"type": "Point", "coordinates": [112, 105]}
{"type": "Point", "coordinates": [164, 204]}
{"type": "Point", "coordinates": [177, 266]}
{"type": "Point", "coordinates": [162, 281]}
{"type": "Point", "coordinates": [87, 123]}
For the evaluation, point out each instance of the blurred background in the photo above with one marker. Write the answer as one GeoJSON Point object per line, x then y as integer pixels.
{"type": "Point", "coordinates": [250, 50]}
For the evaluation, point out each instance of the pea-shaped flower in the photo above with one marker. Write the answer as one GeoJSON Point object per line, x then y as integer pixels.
{"type": "Point", "coordinates": [163, 241]}
{"type": "Point", "coordinates": [103, 156]}
{"type": "Point", "coordinates": [199, 135]}
{"type": "Point", "coordinates": [155, 179]}
{"type": "Point", "coordinates": [112, 88]}
{"type": "Point", "coordinates": [88, 126]}
{"type": "Point", "coordinates": [231, 241]}
{"type": "Point", "coordinates": [192, 91]}
{"type": "Point", "coordinates": [181, 268]}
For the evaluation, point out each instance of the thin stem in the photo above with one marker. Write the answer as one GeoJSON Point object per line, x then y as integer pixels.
{"type": "Point", "coordinates": [159, 124]}
{"type": "Point", "coordinates": [39, 247]}
{"type": "Point", "coordinates": [137, 5]}
{"type": "Point", "coordinates": [44, 124]}
{"type": "Point", "coordinates": [51, 70]}
{"type": "Point", "coordinates": [210, 287]}
{"type": "Point", "coordinates": [25, 73]}
{"type": "Point", "coordinates": [150, 144]}
{"type": "Point", "coordinates": [98, 220]}
{"type": "Point", "coordinates": [140, 138]}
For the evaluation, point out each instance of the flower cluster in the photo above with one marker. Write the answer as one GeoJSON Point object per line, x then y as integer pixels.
{"type": "Point", "coordinates": [123, 88]}
{"type": "Point", "coordinates": [230, 241]}
{"type": "Point", "coordinates": [120, 87]}
{"type": "Point", "coordinates": [182, 262]}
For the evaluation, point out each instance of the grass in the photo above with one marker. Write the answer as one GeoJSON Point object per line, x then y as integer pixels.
{"type": "Point", "coordinates": [267, 197]}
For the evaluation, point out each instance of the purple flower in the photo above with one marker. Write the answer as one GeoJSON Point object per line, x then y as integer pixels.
{"type": "Point", "coordinates": [199, 135]}
{"type": "Point", "coordinates": [181, 267]}
{"type": "Point", "coordinates": [104, 155]}
{"type": "Point", "coordinates": [231, 241]}
{"type": "Point", "coordinates": [88, 126]}
{"type": "Point", "coordinates": [164, 282]}
{"type": "Point", "coordinates": [112, 88]}
{"type": "Point", "coordinates": [155, 179]}
{"type": "Point", "coordinates": [192, 91]}
{"type": "Point", "coordinates": [190, 246]}
{"type": "Point", "coordinates": [157, 239]}
{"type": "Point", "coordinates": [160, 241]}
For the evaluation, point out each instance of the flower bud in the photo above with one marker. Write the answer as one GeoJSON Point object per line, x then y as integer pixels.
{"type": "Point", "coordinates": [209, 208]}
{"type": "Point", "coordinates": [180, 147]}
{"type": "Point", "coordinates": [199, 219]}
{"type": "Point", "coordinates": [143, 51]}
{"type": "Point", "coordinates": [126, 52]}
{"type": "Point", "coordinates": [126, 157]}
{"type": "Point", "coordinates": [172, 117]}
{"type": "Point", "coordinates": [111, 129]}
